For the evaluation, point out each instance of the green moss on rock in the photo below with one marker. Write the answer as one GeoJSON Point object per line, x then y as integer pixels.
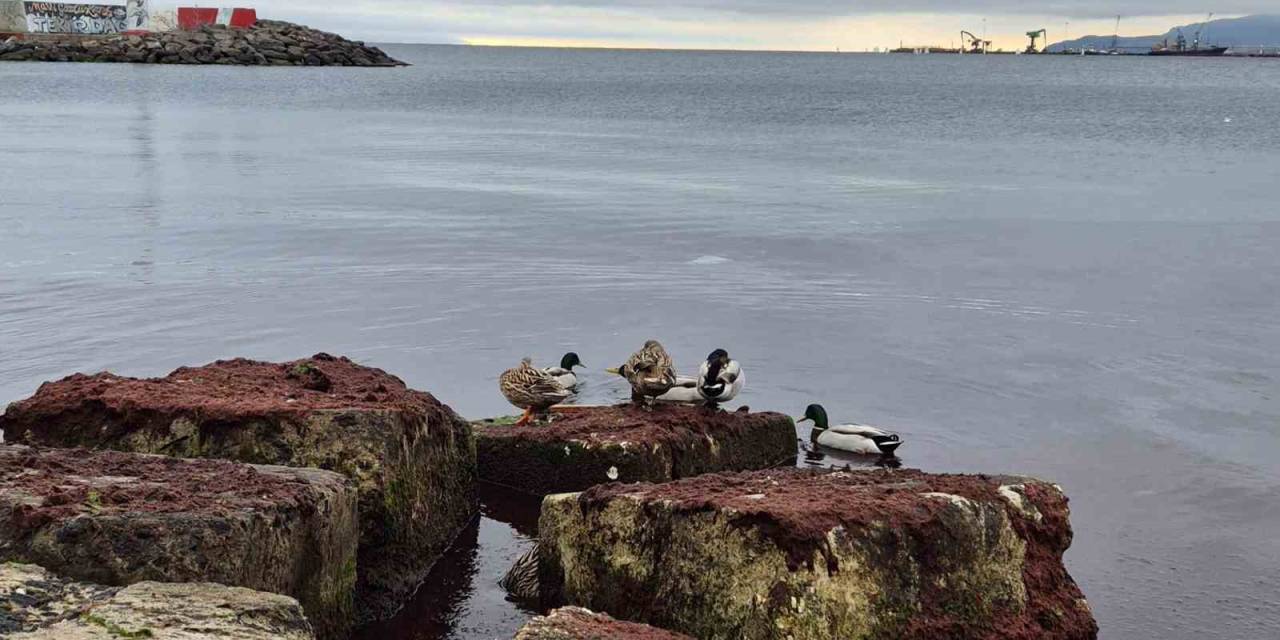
{"type": "Point", "coordinates": [801, 555]}
{"type": "Point", "coordinates": [411, 458]}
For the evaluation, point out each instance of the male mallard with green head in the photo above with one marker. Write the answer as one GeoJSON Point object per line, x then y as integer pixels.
{"type": "Point", "coordinates": [564, 373]}
{"type": "Point", "coordinates": [649, 371]}
{"type": "Point", "coordinates": [854, 438]}
{"type": "Point", "coordinates": [531, 389]}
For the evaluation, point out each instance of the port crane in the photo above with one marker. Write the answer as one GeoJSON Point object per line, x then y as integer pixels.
{"type": "Point", "coordinates": [1031, 48]}
{"type": "Point", "coordinates": [970, 43]}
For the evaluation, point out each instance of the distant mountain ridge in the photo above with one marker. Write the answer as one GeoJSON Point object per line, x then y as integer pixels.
{"type": "Point", "coordinates": [1249, 31]}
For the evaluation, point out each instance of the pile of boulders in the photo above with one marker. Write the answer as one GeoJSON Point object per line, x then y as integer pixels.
{"type": "Point", "coordinates": [269, 42]}
{"type": "Point", "coordinates": [324, 488]}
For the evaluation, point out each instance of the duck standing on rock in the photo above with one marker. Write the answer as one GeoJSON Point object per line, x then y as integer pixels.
{"type": "Point", "coordinates": [720, 379]}
{"type": "Point", "coordinates": [649, 371]}
{"type": "Point", "coordinates": [854, 438]}
{"type": "Point", "coordinates": [564, 373]}
{"type": "Point", "coordinates": [532, 389]}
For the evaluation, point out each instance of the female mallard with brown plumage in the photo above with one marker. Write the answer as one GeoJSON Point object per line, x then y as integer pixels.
{"type": "Point", "coordinates": [649, 371]}
{"type": "Point", "coordinates": [532, 389]}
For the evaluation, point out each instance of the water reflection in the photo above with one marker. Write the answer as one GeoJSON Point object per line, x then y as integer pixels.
{"type": "Point", "coordinates": [816, 456]}
{"type": "Point", "coordinates": [461, 597]}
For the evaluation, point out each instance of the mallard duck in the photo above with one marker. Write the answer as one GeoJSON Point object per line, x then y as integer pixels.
{"type": "Point", "coordinates": [531, 389]}
{"type": "Point", "coordinates": [649, 371]}
{"type": "Point", "coordinates": [854, 438]}
{"type": "Point", "coordinates": [564, 373]}
{"type": "Point", "coordinates": [521, 580]}
{"type": "Point", "coordinates": [684, 391]}
{"type": "Point", "coordinates": [720, 379]}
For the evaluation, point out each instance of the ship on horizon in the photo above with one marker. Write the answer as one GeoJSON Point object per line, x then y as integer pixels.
{"type": "Point", "coordinates": [1180, 47]}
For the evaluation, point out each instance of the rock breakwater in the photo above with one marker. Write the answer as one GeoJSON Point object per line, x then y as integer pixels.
{"type": "Point", "coordinates": [268, 43]}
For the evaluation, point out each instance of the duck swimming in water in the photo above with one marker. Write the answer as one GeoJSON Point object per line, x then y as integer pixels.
{"type": "Point", "coordinates": [854, 438]}
{"type": "Point", "coordinates": [564, 373]}
{"type": "Point", "coordinates": [649, 371]}
{"type": "Point", "coordinates": [531, 389]}
{"type": "Point", "coordinates": [720, 379]}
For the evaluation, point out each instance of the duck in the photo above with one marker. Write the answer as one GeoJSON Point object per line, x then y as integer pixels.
{"type": "Point", "coordinates": [649, 371]}
{"type": "Point", "coordinates": [720, 379]}
{"type": "Point", "coordinates": [531, 389]}
{"type": "Point", "coordinates": [521, 581]}
{"type": "Point", "coordinates": [564, 373]}
{"type": "Point", "coordinates": [853, 438]}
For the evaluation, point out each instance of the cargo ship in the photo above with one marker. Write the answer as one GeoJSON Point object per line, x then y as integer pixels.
{"type": "Point", "coordinates": [1180, 48]}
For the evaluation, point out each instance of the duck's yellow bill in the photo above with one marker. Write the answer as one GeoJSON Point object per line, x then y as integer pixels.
{"type": "Point", "coordinates": [614, 370]}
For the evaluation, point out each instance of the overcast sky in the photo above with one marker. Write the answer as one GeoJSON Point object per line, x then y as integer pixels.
{"type": "Point", "coordinates": [742, 24]}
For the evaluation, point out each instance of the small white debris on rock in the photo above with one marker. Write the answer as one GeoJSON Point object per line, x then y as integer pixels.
{"type": "Point", "coordinates": [612, 473]}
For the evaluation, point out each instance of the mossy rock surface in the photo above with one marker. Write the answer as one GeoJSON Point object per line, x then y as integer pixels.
{"type": "Point", "coordinates": [583, 447]}
{"type": "Point", "coordinates": [799, 554]}
{"type": "Point", "coordinates": [118, 519]}
{"type": "Point", "coordinates": [38, 605]}
{"type": "Point", "coordinates": [576, 623]}
{"type": "Point", "coordinates": [411, 457]}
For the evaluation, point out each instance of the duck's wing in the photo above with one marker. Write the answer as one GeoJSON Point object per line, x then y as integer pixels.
{"type": "Point", "coordinates": [556, 371]}
{"type": "Point", "coordinates": [686, 382]}
{"type": "Point", "coordinates": [859, 430]}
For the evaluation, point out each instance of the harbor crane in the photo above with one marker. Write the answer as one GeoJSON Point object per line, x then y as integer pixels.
{"type": "Point", "coordinates": [970, 43]}
{"type": "Point", "coordinates": [1031, 48]}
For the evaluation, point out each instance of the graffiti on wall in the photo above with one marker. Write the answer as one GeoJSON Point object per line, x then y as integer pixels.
{"type": "Point", "coordinates": [53, 17]}
{"type": "Point", "coordinates": [137, 15]}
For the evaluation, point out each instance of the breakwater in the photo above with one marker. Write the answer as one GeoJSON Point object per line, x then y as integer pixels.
{"type": "Point", "coordinates": [266, 43]}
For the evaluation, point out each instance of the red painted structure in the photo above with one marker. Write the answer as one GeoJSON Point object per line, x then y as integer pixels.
{"type": "Point", "coordinates": [192, 18]}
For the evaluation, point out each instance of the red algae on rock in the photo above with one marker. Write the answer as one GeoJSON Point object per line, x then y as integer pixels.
{"type": "Point", "coordinates": [119, 518]}
{"type": "Point", "coordinates": [592, 445]}
{"type": "Point", "coordinates": [226, 390]}
{"type": "Point", "coordinates": [576, 623]}
{"type": "Point", "coordinates": [843, 554]}
{"type": "Point", "coordinates": [411, 457]}
{"type": "Point", "coordinates": [71, 482]}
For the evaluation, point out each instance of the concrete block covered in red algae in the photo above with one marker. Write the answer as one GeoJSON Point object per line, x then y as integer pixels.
{"type": "Point", "coordinates": [38, 605]}
{"type": "Point", "coordinates": [595, 445]}
{"type": "Point", "coordinates": [118, 519]}
{"type": "Point", "coordinates": [411, 457]}
{"type": "Point", "coordinates": [576, 623]}
{"type": "Point", "coordinates": [816, 555]}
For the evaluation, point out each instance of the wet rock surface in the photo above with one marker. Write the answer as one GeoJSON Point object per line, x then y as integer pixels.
{"type": "Point", "coordinates": [117, 519]}
{"type": "Point", "coordinates": [807, 554]}
{"type": "Point", "coordinates": [595, 445]}
{"type": "Point", "coordinates": [411, 457]}
{"type": "Point", "coordinates": [38, 605]}
{"type": "Point", "coordinates": [269, 42]}
{"type": "Point", "coordinates": [576, 623]}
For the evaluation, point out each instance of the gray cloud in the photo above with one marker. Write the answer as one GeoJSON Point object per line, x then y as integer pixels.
{"type": "Point", "coordinates": [810, 8]}
{"type": "Point", "coordinates": [711, 23]}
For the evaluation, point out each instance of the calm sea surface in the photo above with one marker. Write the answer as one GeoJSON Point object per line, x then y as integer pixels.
{"type": "Point", "coordinates": [1057, 266]}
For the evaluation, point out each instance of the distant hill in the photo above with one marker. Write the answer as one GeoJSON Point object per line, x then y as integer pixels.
{"type": "Point", "coordinates": [1249, 31]}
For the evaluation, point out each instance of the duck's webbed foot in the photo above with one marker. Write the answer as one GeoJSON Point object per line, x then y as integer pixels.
{"type": "Point", "coordinates": [526, 418]}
